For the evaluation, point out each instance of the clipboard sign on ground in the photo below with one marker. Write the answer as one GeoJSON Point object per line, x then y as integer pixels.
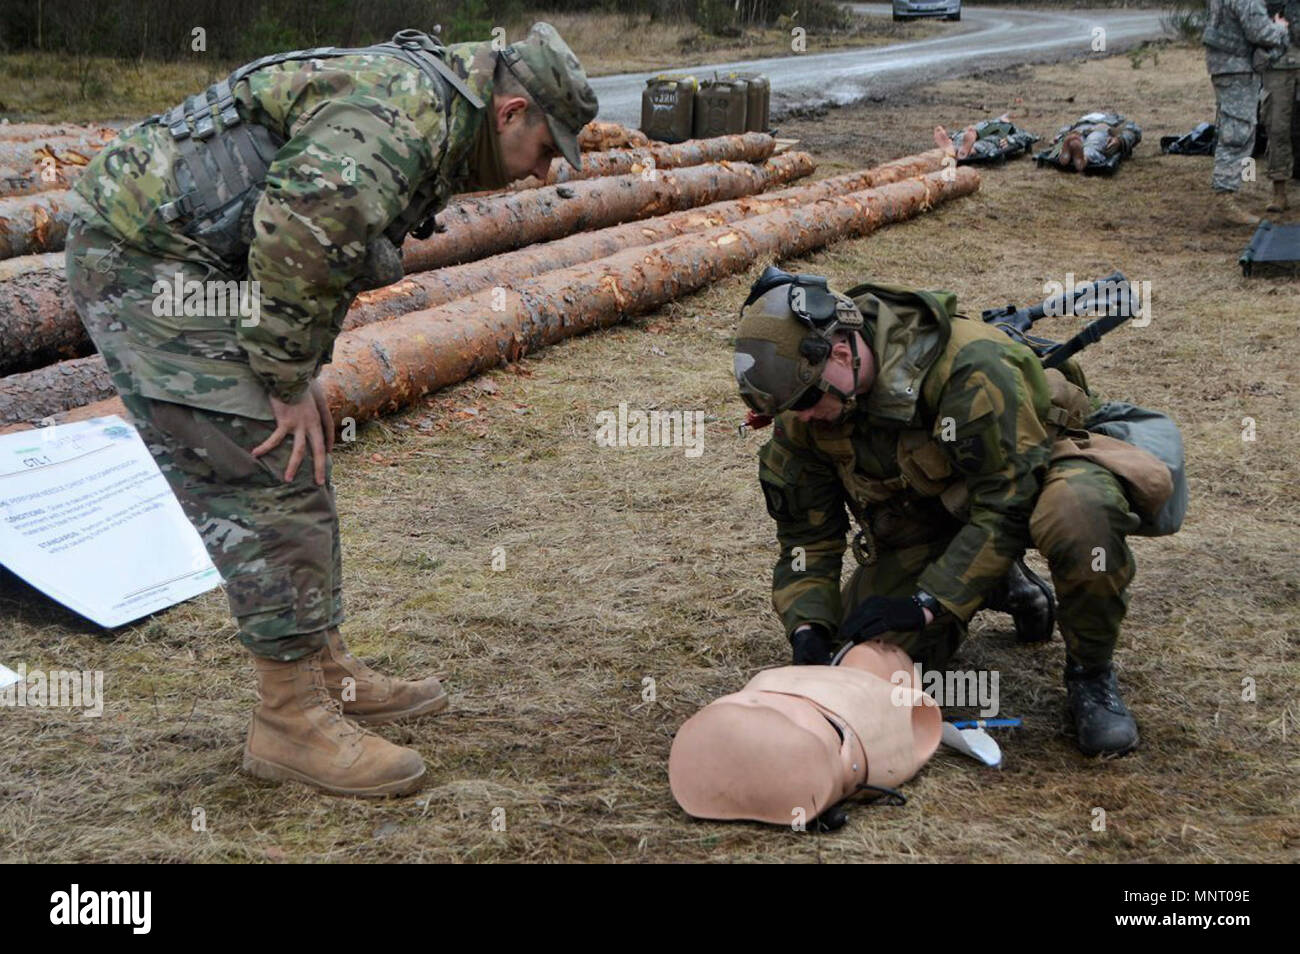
{"type": "Point", "coordinates": [87, 518]}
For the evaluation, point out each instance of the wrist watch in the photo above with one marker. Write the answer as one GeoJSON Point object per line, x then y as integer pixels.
{"type": "Point", "coordinates": [927, 602]}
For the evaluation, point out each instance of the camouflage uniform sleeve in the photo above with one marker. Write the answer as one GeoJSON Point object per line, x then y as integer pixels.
{"type": "Point", "coordinates": [346, 172]}
{"type": "Point", "coordinates": [1257, 26]}
{"type": "Point", "coordinates": [996, 398]}
{"type": "Point", "coordinates": [805, 498]}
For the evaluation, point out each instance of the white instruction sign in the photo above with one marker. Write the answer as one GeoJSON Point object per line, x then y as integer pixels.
{"type": "Point", "coordinates": [87, 518]}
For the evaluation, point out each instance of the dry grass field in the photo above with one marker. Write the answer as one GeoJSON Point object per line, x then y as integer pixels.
{"type": "Point", "coordinates": [623, 564]}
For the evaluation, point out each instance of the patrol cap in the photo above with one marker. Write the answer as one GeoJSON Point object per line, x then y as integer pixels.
{"type": "Point", "coordinates": [547, 68]}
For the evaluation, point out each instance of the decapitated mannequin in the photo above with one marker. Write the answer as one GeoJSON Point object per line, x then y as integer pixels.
{"type": "Point", "coordinates": [797, 740]}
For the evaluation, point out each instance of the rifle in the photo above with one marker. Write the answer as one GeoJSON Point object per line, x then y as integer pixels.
{"type": "Point", "coordinates": [1017, 322]}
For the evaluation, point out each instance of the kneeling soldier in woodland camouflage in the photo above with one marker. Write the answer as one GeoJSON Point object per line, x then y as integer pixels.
{"type": "Point", "coordinates": [937, 433]}
{"type": "Point", "coordinates": [302, 172]}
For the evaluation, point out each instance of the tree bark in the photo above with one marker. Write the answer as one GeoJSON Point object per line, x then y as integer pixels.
{"type": "Point", "coordinates": [477, 228]}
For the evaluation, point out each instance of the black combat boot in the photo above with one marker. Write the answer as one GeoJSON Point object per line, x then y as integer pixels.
{"type": "Point", "coordinates": [1102, 722]}
{"type": "Point", "coordinates": [1027, 597]}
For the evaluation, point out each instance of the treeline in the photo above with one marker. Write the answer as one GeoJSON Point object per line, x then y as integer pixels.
{"type": "Point", "coordinates": [235, 29]}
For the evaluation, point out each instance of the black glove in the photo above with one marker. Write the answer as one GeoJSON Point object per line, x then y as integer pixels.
{"type": "Point", "coordinates": [883, 614]}
{"type": "Point", "coordinates": [812, 646]}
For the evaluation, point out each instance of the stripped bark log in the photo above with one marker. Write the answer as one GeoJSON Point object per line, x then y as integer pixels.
{"type": "Point", "coordinates": [38, 223]}
{"type": "Point", "coordinates": [742, 147]}
{"type": "Point", "coordinates": [46, 165]}
{"type": "Point", "coordinates": [49, 265]}
{"type": "Point", "coordinates": [598, 136]}
{"type": "Point", "coordinates": [25, 132]}
{"type": "Point", "coordinates": [385, 366]}
{"type": "Point", "coordinates": [38, 322]}
{"type": "Point", "coordinates": [431, 288]}
{"type": "Point", "coordinates": [34, 223]}
{"type": "Point", "coordinates": [27, 152]}
{"type": "Point", "coordinates": [47, 391]}
{"type": "Point", "coordinates": [476, 228]}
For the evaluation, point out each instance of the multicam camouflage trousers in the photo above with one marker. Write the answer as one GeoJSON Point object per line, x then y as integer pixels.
{"type": "Point", "coordinates": [276, 544]}
{"type": "Point", "coordinates": [1237, 97]}
{"type": "Point", "coordinates": [1079, 524]}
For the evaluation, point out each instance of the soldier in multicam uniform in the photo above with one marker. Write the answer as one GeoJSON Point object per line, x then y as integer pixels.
{"type": "Point", "coordinates": [1281, 80]}
{"type": "Point", "coordinates": [937, 435]}
{"type": "Point", "coordinates": [1234, 31]}
{"type": "Point", "coordinates": [303, 172]}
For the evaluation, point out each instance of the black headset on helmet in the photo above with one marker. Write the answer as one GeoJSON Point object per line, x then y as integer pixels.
{"type": "Point", "coordinates": [812, 302]}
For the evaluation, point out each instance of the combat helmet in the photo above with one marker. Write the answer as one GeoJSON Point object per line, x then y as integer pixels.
{"type": "Point", "coordinates": [784, 342]}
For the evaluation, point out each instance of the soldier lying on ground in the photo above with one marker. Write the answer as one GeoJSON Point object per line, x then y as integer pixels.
{"type": "Point", "coordinates": [1094, 143]}
{"type": "Point", "coordinates": [303, 172]}
{"type": "Point", "coordinates": [940, 436]}
{"type": "Point", "coordinates": [986, 141]}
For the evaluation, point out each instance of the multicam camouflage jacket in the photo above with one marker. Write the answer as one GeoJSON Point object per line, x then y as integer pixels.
{"type": "Point", "coordinates": [949, 444]}
{"type": "Point", "coordinates": [365, 137]}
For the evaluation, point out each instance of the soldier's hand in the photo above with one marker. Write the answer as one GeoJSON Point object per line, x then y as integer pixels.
{"type": "Point", "coordinates": [308, 420]}
{"type": "Point", "coordinates": [326, 418]}
{"type": "Point", "coordinates": [811, 645]}
{"type": "Point", "coordinates": [884, 614]}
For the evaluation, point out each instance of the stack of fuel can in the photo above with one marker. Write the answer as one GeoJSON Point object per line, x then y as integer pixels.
{"type": "Point", "coordinates": [677, 108]}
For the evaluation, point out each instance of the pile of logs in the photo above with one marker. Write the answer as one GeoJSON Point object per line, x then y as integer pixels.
{"type": "Point", "coordinates": [639, 225]}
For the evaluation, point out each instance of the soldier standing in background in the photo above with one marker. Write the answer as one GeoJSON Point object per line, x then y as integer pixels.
{"type": "Point", "coordinates": [1280, 82]}
{"type": "Point", "coordinates": [302, 172]}
{"type": "Point", "coordinates": [1234, 30]}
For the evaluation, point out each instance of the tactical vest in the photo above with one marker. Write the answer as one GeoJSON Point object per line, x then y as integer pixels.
{"type": "Point", "coordinates": [925, 469]}
{"type": "Point", "coordinates": [224, 159]}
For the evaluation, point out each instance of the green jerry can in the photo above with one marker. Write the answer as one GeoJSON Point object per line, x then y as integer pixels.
{"type": "Point", "coordinates": [668, 107]}
{"type": "Point", "coordinates": [758, 109]}
{"type": "Point", "coordinates": [720, 107]}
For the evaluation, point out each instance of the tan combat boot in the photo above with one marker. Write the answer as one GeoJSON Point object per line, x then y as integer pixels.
{"type": "Point", "coordinates": [298, 734]}
{"type": "Point", "coordinates": [372, 697]}
{"type": "Point", "coordinates": [1279, 196]}
{"type": "Point", "coordinates": [1230, 213]}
